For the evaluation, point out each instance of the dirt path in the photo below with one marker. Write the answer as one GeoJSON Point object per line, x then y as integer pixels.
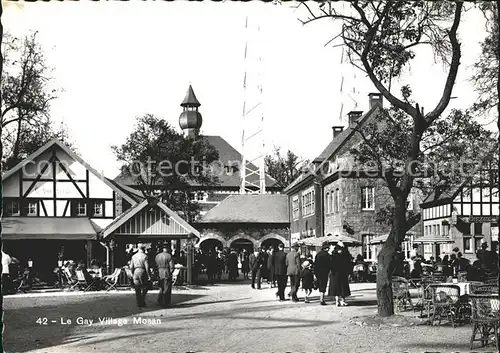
{"type": "Point", "coordinates": [221, 318]}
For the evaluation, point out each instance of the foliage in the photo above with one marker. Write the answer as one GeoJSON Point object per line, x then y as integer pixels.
{"type": "Point", "coordinates": [167, 165]}
{"type": "Point", "coordinates": [485, 76]}
{"type": "Point", "coordinates": [26, 95]}
{"type": "Point", "coordinates": [283, 168]}
{"type": "Point", "coordinates": [451, 151]}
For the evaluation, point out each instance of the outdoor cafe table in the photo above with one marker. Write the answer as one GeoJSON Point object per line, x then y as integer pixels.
{"type": "Point", "coordinates": [464, 286]}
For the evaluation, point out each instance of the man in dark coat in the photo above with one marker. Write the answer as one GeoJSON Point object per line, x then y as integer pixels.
{"type": "Point", "coordinates": [254, 267]}
{"type": "Point", "coordinates": [322, 265]}
{"type": "Point", "coordinates": [263, 273]}
{"type": "Point", "coordinates": [293, 267]}
{"type": "Point", "coordinates": [165, 265]}
{"type": "Point", "coordinates": [279, 266]}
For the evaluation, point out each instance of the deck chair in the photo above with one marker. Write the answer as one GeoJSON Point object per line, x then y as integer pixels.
{"type": "Point", "coordinates": [111, 281]}
{"type": "Point", "coordinates": [401, 294]}
{"type": "Point", "coordinates": [69, 279]}
{"type": "Point", "coordinates": [176, 279]}
{"type": "Point", "coordinates": [83, 284]}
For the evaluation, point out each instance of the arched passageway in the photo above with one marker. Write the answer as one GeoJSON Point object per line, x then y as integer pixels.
{"type": "Point", "coordinates": [211, 245]}
{"type": "Point", "coordinates": [240, 244]}
{"type": "Point", "coordinates": [271, 243]}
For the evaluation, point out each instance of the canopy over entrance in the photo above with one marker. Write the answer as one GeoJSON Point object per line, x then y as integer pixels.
{"type": "Point", "coordinates": [42, 228]}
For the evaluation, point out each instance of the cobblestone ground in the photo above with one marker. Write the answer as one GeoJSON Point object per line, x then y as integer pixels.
{"type": "Point", "coordinates": [219, 318]}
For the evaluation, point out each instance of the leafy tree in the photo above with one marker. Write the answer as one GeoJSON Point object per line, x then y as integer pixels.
{"type": "Point", "coordinates": [283, 168]}
{"type": "Point", "coordinates": [26, 94]}
{"type": "Point", "coordinates": [168, 166]}
{"type": "Point", "coordinates": [380, 37]}
{"type": "Point", "coordinates": [485, 77]}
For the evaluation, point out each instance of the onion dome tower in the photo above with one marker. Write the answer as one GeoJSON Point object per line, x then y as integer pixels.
{"type": "Point", "coordinates": [190, 119]}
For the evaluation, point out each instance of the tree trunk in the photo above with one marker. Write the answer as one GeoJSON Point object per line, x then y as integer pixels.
{"type": "Point", "coordinates": [498, 111]}
{"type": "Point", "coordinates": [385, 260]}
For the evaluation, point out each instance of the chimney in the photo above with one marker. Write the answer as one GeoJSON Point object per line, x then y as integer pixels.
{"type": "Point", "coordinates": [337, 130]}
{"type": "Point", "coordinates": [353, 116]}
{"type": "Point", "coordinates": [375, 98]}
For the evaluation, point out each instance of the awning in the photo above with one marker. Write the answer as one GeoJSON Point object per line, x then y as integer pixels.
{"type": "Point", "coordinates": [433, 239]}
{"type": "Point", "coordinates": [331, 239]}
{"type": "Point", "coordinates": [45, 228]}
{"type": "Point", "coordinates": [382, 238]}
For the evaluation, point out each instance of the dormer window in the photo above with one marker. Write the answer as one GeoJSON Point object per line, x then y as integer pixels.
{"type": "Point", "coordinates": [30, 208]}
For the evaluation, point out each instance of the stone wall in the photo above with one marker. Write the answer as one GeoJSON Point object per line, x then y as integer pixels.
{"type": "Point", "coordinates": [227, 233]}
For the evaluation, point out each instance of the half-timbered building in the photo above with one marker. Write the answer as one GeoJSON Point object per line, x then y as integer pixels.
{"type": "Point", "coordinates": [466, 214]}
{"type": "Point", "coordinates": [57, 207]}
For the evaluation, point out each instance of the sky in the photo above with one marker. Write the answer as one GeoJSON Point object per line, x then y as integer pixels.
{"type": "Point", "coordinates": [116, 61]}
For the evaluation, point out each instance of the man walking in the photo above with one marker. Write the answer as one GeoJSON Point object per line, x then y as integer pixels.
{"type": "Point", "coordinates": [165, 265]}
{"type": "Point", "coordinates": [254, 267]}
{"type": "Point", "coordinates": [322, 266]}
{"type": "Point", "coordinates": [279, 266]}
{"type": "Point", "coordinates": [293, 270]}
{"type": "Point", "coordinates": [140, 270]}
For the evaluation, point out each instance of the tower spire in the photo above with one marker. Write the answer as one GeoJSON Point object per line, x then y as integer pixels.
{"type": "Point", "coordinates": [190, 119]}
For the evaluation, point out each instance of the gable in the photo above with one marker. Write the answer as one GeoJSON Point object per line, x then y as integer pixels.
{"type": "Point", "coordinates": [55, 171]}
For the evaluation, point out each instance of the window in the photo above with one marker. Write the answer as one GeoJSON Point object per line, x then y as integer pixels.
{"type": "Point", "coordinates": [12, 208]}
{"type": "Point", "coordinates": [467, 244]}
{"type": "Point", "coordinates": [446, 229]}
{"type": "Point", "coordinates": [81, 209]}
{"type": "Point", "coordinates": [330, 201]}
{"type": "Point", "coordinates": [367, 198]}
{"type": "Point", "coordinates": [201, 196]}
{"type": "Point", "coordinates": [295, 207]}
{"type": "Point", "coordinates": [368, 249]}
{"type": "Point", "coordinates": [477, 243]}
{"type": "Point", "coordinates": [478, 228]}
{"type": "Point", "coordinates": [336, 201]}
{"type": "Point", "coordinates": [118, 205]}
{"type": "Point", "coordinates": [327, 208]}
{"type": "Point", "coordinates": [409, 202]}
{"type": "Point", "coordinates": [308, 202]}
{"type": "Point", "coordinates": [32, 208]}
{"type": "Point", "coordinates": [98, 209]}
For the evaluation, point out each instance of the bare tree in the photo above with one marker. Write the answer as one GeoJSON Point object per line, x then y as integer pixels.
{"type": "Point", "coordinates": [380, 37]}
{"type": "Point", "coordinates": [26, 94]}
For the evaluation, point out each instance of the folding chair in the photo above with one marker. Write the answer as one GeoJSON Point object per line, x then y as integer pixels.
{"type": "Point", "coordinates": [111, 281]}
{"type": "Point", "coordinates": [83, 284]}
{"type": "Point", "coordinates": [71, 283]}
{"type": "Point", "coordinates": [176, 277]}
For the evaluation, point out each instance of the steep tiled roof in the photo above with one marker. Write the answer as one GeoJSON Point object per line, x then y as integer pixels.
{"type": "Point", "coordinates": [228, 156]}
{"type": "Point", "coordinates": [249, 209]}
{"type": "Point", "coordinates": [334, 146]}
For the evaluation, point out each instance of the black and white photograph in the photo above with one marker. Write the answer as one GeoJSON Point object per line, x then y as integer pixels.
{"type": "Point", "coordinates": [250, 176]}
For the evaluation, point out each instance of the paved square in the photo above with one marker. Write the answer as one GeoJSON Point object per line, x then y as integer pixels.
{"type": "Point", "coordinates": [220, 318]}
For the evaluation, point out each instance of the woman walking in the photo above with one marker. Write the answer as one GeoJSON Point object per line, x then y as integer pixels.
{"type": "Point", "coordinates": [339, 278]}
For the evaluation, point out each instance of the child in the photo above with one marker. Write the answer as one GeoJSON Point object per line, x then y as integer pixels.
{"type": "Point", "coordinates": [307, 278]}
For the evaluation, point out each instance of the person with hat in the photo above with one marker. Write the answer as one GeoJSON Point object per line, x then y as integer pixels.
{"type": "Point", "coordinates": [341, 269]}
{"type": "Point", "coordinates": [307, 279]}
{"type": "Point", "coordinates": [165, 264]}
{"type": "Point", "coordinates": [322, 265]}
{"type": "Point", "coordinates": [232, 265]}
{"type": "Point", "coordinates": [293, 271]}
{"type": "Point", "coordinates": [140, 274]}
{"type": "Point", "coordinates": [279, 266]}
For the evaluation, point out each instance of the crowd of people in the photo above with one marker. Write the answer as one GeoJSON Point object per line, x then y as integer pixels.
{"type": "Point", "coordinates": [332, 265]}
{"type": "Point", "coordinates": [449, 265]}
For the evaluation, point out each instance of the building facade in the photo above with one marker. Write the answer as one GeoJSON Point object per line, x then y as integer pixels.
{"type": "Point", "coordinates": [346, 198]}
{"type": "Point", "coordinates": [467, 214]}
{"type": "Point", "coordinates": [58, 208]}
